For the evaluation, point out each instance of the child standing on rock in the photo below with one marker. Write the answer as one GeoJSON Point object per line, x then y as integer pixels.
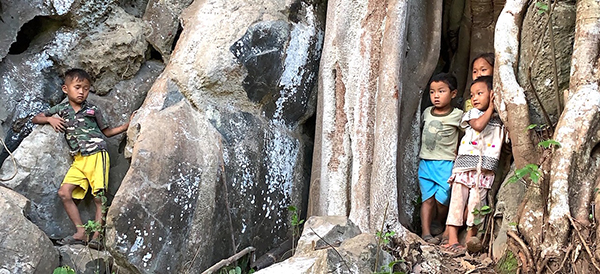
{"type": "Point", "coordinates": [83, 125]}
{"type": "Point", "coordinates": [439, 140]}
{"type": "Point", "coordinates": [478, 156]}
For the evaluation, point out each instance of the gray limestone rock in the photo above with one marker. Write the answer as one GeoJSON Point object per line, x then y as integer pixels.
{"type": "Point", "coordinates": [540, 78]}
{"type": "Point", "coordinates": [85, 260]}
{"type": "Point", "coordinates": [24, 247]}
{"type": "Point", "coordinates": [162, 18]}
{"type": "Point", "coordinates": [223, 166]}
{"type": "Point", "coordinates": [352, 252]}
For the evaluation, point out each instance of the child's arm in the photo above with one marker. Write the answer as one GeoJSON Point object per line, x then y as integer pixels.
{"type": "Point", "coordinates": [56, 122]}
{"type": "Point", "coordinates": [109, 132]}
{"type": "Point", "coordinates": [480, 123]}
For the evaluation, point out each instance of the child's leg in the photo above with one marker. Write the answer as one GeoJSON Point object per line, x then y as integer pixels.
{"type": "Point", "coordinates": [442, 215]}
{"type": "Point", "coordinates": [64, 192]}
{"type": "Point", "coordinates": [458, 201]}
{"type": "Point", "coordinates": [427, 208]}
{"type": "Point", "coordinates": [99, 215]}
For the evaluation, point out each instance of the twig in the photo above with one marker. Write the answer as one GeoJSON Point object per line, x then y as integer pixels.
{"type": "Point", "coordinates": [587, 248]}
{"type": "Point", "coordinates": [522, 245]}
{"type": "Point", "coordinates": [12, 157]}
{"type": "Point", "coordinates": [228, 261]}
{"type": "Point", "coordinates": [379, 238]}
{"type": "Point", "coordinates": [334, 249]}
{"type": "Point", "coordinates": [565, 258]}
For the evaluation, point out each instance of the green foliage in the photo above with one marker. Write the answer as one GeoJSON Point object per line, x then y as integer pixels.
{"type": "Point", "coordinates": [507, 264]}
{"type": "Point", "coordinates": [92, 226]}
{"type": "Point", "coordinates": [385, 238]}
{"type": "Point", "coordinates": [541, 7]}
{"type": "Point", "coordinates": [531, 170]}
{"type": "Point", "coordinates": [532, 126]}
{"type": "Point", "coordinates": [480, 212]}
{"type": "Point", "coordinates": [389, 269]}
{"type": "Point", "coordinates": [296, 223]}
{"type": "Point", "coordinates": [549, 143]}
{"type": "Point", "coordinates": [231, 270]}
{"type": "Point", "coordinates": [64, 270]}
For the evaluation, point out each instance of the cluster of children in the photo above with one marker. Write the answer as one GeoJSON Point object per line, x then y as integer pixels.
{"type": "Point", "coordinates": [454, 178]}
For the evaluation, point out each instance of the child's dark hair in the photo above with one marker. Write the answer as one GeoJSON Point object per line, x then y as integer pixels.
{"type": "Point", "coordinates": [488, 80]}
{"type": "Point", "coordinates": [488, 57]}
{"type": "Point", "coordinates": [77, 73]}
{"type": "Point", "coordinates": [446, 78]}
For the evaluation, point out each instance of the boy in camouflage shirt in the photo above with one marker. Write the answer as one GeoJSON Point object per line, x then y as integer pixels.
{"type": "Point", "coordinates": [83, 125]}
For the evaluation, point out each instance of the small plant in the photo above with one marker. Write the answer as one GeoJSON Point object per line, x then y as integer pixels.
{"type": "Point", "coordinates": [296, 223]}
{"type": "Point", "coordinates": [546, 144]}
{"type": "Point", "coordinates": [389, 269]}
{"type": "Point", "coordinates": [65, 269]}
{"type": "Point", "coordinates": [384, 238]}
{"type": "Point", "coordinates": [480, 213]}
{"type": "Point", "coordinates": [541, 7]}
{"type": "Point", "coordinates": [531, 170]}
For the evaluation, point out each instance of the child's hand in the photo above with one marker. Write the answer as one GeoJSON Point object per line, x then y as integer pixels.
{"type": "Point", "coordinates": [491, 100]}
{"type": "Point", "coordinates": [57, 123]}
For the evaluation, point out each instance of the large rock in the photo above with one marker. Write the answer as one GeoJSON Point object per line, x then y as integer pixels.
{"type": "Point", "coordinates": [333, 244]}
{"type": "Point", "coordinates": [509, 199]}
{"type": "Point", "coordinates": [85, 260]}
{"type": "Point", "coordinates": [113, 51]}
{"type": "Point", "coordinates": [535, 73]}
{"type": "Point", "coordinates": [24, 247]}
{"type": "Point", "coordinates": [162, 18]}
{"type": "Point", "coordinates": [14, 14]}
{"type": "Point", "coordinates": [218, 154]}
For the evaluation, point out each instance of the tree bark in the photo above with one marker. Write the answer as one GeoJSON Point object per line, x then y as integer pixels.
{"type": "Point", "coordinates": [512, 95]}
{"type": "Point", "coordinates": [573, 170]}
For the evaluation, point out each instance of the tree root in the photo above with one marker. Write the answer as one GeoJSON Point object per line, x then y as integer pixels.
{"type": "Point", "coordinates": [587, 248]}
{"type": "Point", "coordinates": [522, 245]}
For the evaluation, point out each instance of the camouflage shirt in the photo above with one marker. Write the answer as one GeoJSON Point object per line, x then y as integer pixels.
{"type": "Point", "coordinates": [83, 131]}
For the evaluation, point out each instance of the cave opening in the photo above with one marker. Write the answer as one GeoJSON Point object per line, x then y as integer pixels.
{"type": "Point", "coordinates": [32, 29]}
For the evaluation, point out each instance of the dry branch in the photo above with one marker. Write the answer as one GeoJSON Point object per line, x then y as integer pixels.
{"type": "Point", "coordinates": [228, 261]}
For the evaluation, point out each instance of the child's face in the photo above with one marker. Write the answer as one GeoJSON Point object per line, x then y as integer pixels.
{"type": "Point", "coordinates": [481, 68]}
{"type": "Point", "coordinates": [77, 90]}
{"type": "Point", "coordinates": [480, 96]}
{"type": "Point", "coordinates": [441, 95]}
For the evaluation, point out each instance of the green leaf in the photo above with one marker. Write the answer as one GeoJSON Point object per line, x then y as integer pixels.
{"type": "Point", "coordinates": [512, 224]}
{"type": "Point", "coordinates": [486, 210]}
{"type": "Point", "coordinates": [542, 7]}
{"type": "Point", "coordinates": [548, 143]}
{"type": "Point", "coordinates": [477, 221]}
{"type": "Point", "coordinates": [292, 208]}
{"type": "Point", "coordinates": [535, 176]}
{"type": "Point", "coordinates": [530, 127]}
{"type": "Point", "coordinates": [512, 179]}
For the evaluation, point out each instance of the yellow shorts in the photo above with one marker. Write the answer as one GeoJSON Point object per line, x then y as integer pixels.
{"type": "Point", "coordinates": [86, 171]}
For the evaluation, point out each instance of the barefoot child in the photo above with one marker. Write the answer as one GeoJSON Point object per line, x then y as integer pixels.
{"type": "Point", "coordinates": [478, 155]}
{"type": "Point", "coordinates": [83, 125]}
{"type": "Point", "coordinates": [438, 150]}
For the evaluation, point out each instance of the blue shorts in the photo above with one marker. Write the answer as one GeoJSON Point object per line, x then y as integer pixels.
{"type": "Point", "coordinates": [433, 180]}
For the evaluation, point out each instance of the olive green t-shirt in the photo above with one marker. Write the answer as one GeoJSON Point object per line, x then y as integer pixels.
{"type": "Point", "coordinates": [439, 138]}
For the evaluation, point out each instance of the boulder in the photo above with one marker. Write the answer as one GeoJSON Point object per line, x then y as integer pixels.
{"type": "Point", "coordinates": [24, 247]}
{"type": "Point", "coordinates": [332, 244]}
{"type": "Point", "coordinates": [14, 14]}
{"type": "Point", "coordinates": [535, 71]}
{"type": "Point", "coordinates": [162, 18]}
{"type": "Point", "coordinates": [85, 260]}
{"type": "Point", "coordinates": [111, 52]}
{"type": "Point", "coordinates": [506, 215]}
{"type": "Point", "coordinates": [218, 154]}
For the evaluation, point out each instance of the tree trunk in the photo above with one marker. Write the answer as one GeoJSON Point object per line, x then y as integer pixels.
{"type": "Point", "coordinates": [356, 164]}
{"type": "Point", "coordinates": [573, 170]}
{"type": "Point", "coordinates": [512, 96]}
